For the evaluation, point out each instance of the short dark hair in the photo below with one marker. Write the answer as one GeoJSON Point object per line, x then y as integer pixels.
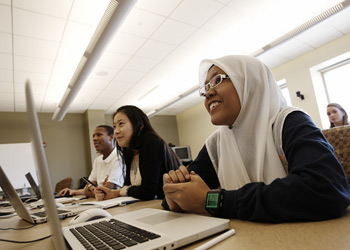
{"type": "Point", "coordinates": [109, 129]}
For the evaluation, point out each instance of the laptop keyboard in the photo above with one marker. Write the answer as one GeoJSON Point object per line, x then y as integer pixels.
{"type": "Point", "coordinates": [111, 234]}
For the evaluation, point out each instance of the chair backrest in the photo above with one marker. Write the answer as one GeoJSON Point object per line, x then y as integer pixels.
{"type": "Point", "coordinates": [64, 183]}
{"type": "Point", "coordinates": [339, 138]}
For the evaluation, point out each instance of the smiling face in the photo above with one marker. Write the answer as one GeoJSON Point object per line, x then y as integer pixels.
{"type": "Point", "coordinates": [102, 141]}
{"type": "Point", "coordinates": [335, 116]}
{"type": "Point", "coordinates": [123, 129]}
{"type": "Point", "coordinates": [222, 102]}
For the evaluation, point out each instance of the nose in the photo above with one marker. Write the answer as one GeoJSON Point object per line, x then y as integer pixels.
{"type": "Point", "coordinates": [210, 93]}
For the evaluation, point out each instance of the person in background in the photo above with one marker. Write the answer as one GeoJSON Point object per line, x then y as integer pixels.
{"type": "Point", "coordinates": [108, 169]}
{"type": "Point", "coordinates": [145, 153]}
{"type": "Point", "coordinates": [337, 115]}
{"type": "Point", "coordinates": [266, 162]}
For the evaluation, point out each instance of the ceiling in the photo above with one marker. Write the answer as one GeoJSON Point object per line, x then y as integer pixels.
{"type": "Point", "coordinates": [153, 58]}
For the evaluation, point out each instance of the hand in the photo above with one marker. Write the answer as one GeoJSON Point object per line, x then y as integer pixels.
{"type": "Point", "coordinates": [172, 204]}
{"type": "Point", "coordinates": [105, 180]}
{"type": "Point", "coordinates": [123, 191]}
{"type": "Point", "coordinates": [65, 191]}
{"type": "Point", "coordinates": [179, 175]}
{"type": "Point", "coordinates": [188, 196]}
{"type": "Point", "coordinates": [103, 193]}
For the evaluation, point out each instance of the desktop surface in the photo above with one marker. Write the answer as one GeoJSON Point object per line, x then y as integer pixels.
{"type": "Point", "coordinates": [331, 234]}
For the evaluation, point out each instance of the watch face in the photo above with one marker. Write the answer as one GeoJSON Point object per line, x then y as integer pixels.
{"type": "Point", "coordinates": [212, 200]}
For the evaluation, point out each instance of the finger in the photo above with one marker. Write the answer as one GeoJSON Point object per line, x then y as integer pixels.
{"type": "Point", "coordinates": [180, 175]}
{"type": "Point", "coordinates": [185, 173]}
{"type": "Point", "coordinates": [173, 176]}
{"type": "Point", "coordinates": [172, 187]}
{"type": "Point", "coordinates": [166, 179]}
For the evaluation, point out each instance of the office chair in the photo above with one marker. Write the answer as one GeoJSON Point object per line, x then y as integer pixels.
{"type": "Point", "coordinates": [339, 138]}
{"type": "Point", "coordinates": [64, 183]}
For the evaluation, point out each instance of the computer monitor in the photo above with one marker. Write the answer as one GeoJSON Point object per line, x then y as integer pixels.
{"type": "Point", "coordinates": [183, 152]}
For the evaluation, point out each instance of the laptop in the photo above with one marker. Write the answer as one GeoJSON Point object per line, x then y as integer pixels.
{"type": "Point", "coordinates": [36, 189]}
{"type": "Point", "coordinates": [163, 229]}
{"type": "Point", "coordinates": [33, 184]}
{"type": "Point", "coordinates": [21, 209]}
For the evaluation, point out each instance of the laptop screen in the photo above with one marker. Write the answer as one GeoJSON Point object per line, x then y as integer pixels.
{"type": "Point", "coordinates": [42, 170]}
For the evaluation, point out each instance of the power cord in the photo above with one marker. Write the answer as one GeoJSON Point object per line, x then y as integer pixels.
{"type": "Point", "coordinates": [29, 241]}
{"type": "Point", "coordinates": [20, 228]}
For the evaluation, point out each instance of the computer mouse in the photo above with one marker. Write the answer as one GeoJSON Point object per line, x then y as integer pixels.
{"type": "Point", "coordinates": [89, 215]}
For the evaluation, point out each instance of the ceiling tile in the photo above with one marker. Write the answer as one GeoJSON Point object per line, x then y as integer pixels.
{"type": "Point", "coordinates": [179, 32]}
{"type": "Point", "coordinates": [31, 64]}
{"type": "Point", "coordinates": [6, 75]}
{"type": "Point", "coordinates": [128, 76]}
{"type": "Point", "coordinates": [164, 7]}
{"type": "Point", "coordinates": [119, 86]}
{"type": "Point", "coordinates": [125, 44]}
{"type": "Point", "coordinates": [187, 11]}
{"type": "Point", "coordinates": [6, 61]}
{"type": "Point", "coordinates": [35, 78]}
{"type": "Point", "coordinates": [140, 64]}
{"type": "Point", "coordinates": [5, 15]}
{"type": "Point", "coordinates": [5, 43]}
{"type": "Point", "coordinates": [35, 25]}
{"type": "Point", "coordinates": [25, 46]}
{"type": "Point", "coordinates": [59, 8]}
{"type": "Point", "coordinates": [6, 2]}
{"type": "Point", "coordinates": [6, 87]}
{"type": "Point", "coordinates": [113, 60]}
{"type": "Point", "coordinates": [155, 50]}
{"type": "Point", "coordinates": [141, 23]}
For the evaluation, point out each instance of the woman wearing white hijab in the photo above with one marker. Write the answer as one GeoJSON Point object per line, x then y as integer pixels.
{"type": "Point", "coordinates": [266, 162]}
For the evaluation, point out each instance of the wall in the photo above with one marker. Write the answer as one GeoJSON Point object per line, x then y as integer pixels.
{"type": "Point", "coordinates": [67, 147]}
{"type": "Point", "coordinates": [166, 127]}
{"type": "Point", "coordinates": [194, 127]}
{"type": "Point", "coordinates": [194, 124]}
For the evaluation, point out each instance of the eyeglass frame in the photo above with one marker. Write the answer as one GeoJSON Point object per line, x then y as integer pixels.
{"type": "Point", "coordinates": [223, 77]}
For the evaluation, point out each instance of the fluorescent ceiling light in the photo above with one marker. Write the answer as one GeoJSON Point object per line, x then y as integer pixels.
{"type": "Point", "coordinates": [114, 16]}
{"type": "Point", "coordinates": [317, 19]}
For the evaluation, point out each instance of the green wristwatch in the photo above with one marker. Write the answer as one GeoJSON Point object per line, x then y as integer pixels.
{"type": "Point", "coordinates": [214, 201]}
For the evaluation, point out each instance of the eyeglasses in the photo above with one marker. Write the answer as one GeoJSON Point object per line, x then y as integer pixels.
{"type": "Point", "coordinates": [214, 82]}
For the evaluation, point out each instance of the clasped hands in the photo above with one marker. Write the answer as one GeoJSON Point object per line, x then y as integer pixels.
{"type": "Point", "coordinates": [185, 191]}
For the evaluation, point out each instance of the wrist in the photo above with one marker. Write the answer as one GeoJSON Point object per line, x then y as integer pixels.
{"type": "Point", "coordinates": [214, 202]}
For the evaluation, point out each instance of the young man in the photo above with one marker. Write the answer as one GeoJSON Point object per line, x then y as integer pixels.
{"type": "Point", "coordinates": [108, 168]}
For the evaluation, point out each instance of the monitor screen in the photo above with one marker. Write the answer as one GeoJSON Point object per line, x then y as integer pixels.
{"type": "Point", "coordinates": [183, 152]}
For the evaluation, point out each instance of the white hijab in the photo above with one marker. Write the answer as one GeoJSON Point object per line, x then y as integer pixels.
{"type": "Point", "coordinates": [247, 153]}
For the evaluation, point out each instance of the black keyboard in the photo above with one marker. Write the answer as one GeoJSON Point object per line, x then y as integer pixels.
{"type": "Point", "coordinates": [111, 234]}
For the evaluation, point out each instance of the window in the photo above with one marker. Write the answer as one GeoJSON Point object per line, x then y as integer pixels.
{"type": "Point", "coordinates": [337, 83]}
{"type": "Point", "coordinates": [331, 82]}
{"type": "Point", "coordinates": [285, 92]}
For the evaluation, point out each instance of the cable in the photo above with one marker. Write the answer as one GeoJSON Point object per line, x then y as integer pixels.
{"type": "Point", "coordinates": [21, 228]}
{"type": "Point", "coordinates": [29, 241]}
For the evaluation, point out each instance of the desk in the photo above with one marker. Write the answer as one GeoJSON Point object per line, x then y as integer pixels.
{"type": "Point", "coordinates": [332, 234]}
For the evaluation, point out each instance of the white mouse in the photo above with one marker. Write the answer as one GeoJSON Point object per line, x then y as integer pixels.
{"type": "Point", "coordinates": [88, 215]}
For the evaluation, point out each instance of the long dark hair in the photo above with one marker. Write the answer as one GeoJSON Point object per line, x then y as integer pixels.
{"type": "Point", "coordinates": [345, 117]}
{"type": "Point", "coordinates": [141, 126]}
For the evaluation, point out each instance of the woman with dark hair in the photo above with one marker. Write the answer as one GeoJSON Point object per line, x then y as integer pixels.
{"type": "Point", "coordinates": [145, 153]}
{"type": "Point", "coordinates": [337, 115]}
